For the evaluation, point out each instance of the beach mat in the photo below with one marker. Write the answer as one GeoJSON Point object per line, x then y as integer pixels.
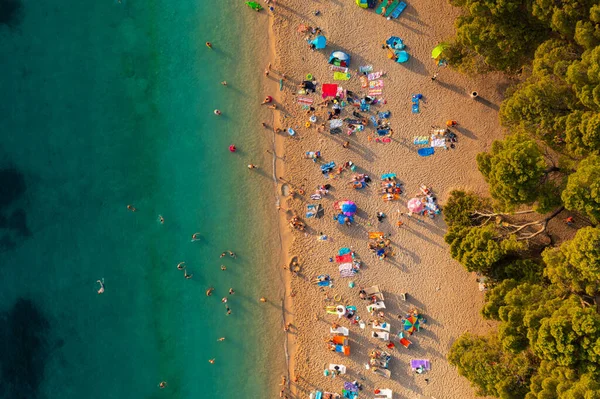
{"type": "Point", "coordinates": [398, 10]}
{"type": "Point", "coordinates": [343, 258]}
{"type": "Point", "coordinates": [425, 152]}
{"type": "Point", "coordinates": [380, 8]}
{"type": "Point", "coordinates": [341, 76]}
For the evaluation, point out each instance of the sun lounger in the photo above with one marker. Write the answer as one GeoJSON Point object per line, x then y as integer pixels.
{"type": "Point", "coordinates": [382, 335]}
{"type": "Point", "coordinates": [381, 326]}
{"type": "Point", "coordinates": [340, 367]}
{"type": "Point", "coordinates": [398, 10]}
{"type": "Point", "coordinates": [391, 8]}
{"type": "Point", "coordinates": [383, 394]}
{"type": "Point", "coordinates": [340, 330]}
{"type": "Point", "coordinates": [375, 306]}
{"type": "Point", "coordinates": [382, 372]}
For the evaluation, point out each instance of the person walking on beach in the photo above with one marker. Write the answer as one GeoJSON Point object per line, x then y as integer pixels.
{"type": "Point", "coordinates": [181, 266]}
{"type": "Point", "coordinates": [101, 289]}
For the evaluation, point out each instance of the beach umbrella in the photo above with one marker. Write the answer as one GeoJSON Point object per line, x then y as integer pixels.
{"type": "Point", "coordinates": [395, 42]}
{"type": "Point", "coordinates": [437, 50]}
{"type": "Point", "coordinates": [349, 208]}
{"type": "Point", "coordinates": [411, 324]}
{"type": "Point", "coordinates": [415, 205]}
{"type": "Point", "coordinates": [319, 42]}
{"type": "Point", "coordinates": [402, 56]}
{"type": "Point", "coordinates": [339, 58]}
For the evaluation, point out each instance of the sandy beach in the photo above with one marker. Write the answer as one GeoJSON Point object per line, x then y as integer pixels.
{"type": "Point", "coordinates": [437, 286]}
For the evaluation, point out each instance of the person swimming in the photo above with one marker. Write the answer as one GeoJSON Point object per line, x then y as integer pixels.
{"type": "Point", "coordinates": [224, 83]}
{"type": "Point", "coordinates": [162, 385]}
{"type": "Point", "coordinates": [221, 339]}
{"type": "Point", "coordinates": [181, 266]}
{"type": "Point", "coordinates": [161, 219]}
{"type": "Point", "coordinates": [187, 276]}
{"type": "Point", "coordinates": [101, 289]}
{"type": "Point", "coordinates": [211, 361]}
{"type": "Point", "coordinates": [195, 237]}
{"type": "Point", "coordinates": [209, 291]}
{"type": "Point", "coordinates": [209, 45]}
{"type": "Point", "coordinates": [217, 112]}
{"type": "Point", "coordinates": [131, 208]}
{"type": "Point", "coordinates": [223, 267]}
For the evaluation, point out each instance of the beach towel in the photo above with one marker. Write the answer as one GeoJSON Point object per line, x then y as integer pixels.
{"type": "Point", "coordinates": [425, 152]}
{"type": "Point", "coordinates": [374, 75]}
{"type": "Point", "coordinates": [338, 68]}
{"type": "Point", "coordinates": [376, 83]}
{"type": "Point", "coordinates": [384, 115]}
{"type": "Point", "coordinates": [373, 120]}
{"type": "Point", "coordinates": [365, 68]}
{"type": "Point", "coordinates": [383, 132]}
{"type": "Point", "coordinates": [388, 176]}
{"type": "Point", "coordinates": [373, 235]}
{"type": "Point", "coordinates": [343, 258]}
{"type": "Point", "coordinates": [344, 251]}
{"type": "Point", "coordinates": [341, 76]}
{"type": "Point", "coordinates": [386, 140]}
{"type": "Point", "coordinates": [348, 386]}
{"type": "Point", "coordinates": [420, 140]}
{"type": "Point", "coordinates": [315, 197]}
{"type": "Point", "coordinates": [415, 108]}
{"type": "Point", "coordinates": [375, 92]}
{"type": "Point", "coordinates": [335, 123]}
{"type": "Point", "coordinates": [364, 82]}
{"type": "Point", "coordinates": [438, 142]}
{"type": "Point", "coordinates": [346, 270]}
{"type": "Point", "coordinates": [380, 8]}
{"type": "Point", "coordinates": [422, 363]}
{"type": "Point", "coordinates": [329, 89]}
{"type": "Point", "coordinates": [305, 100]}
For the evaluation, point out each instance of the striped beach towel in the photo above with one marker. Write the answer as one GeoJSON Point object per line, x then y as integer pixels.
{"type": "Point", "coordinates": [376, 83]}
{"type": "Point", "coordinates": [420, 140]}
{"type": "Point", "coordinates": [375, 92]}
{"type": "Point", "coordinates": [375, 75]}
{"type": "Point", "coordinates": [365, 68]}
{"type": "Point", "coordinates": [305, 100]}
{"type": "Point", "coordinates": [338, 69]}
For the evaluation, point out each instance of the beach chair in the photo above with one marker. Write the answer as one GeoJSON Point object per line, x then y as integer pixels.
{"type": "Point", "coordinates": [382, 335]}
{"type": "Point", "coordinates": [340, 367]}
{"type": "Point", "coordinates": [405, 342]}
{"type": "Point", "coordinates": [340, 330]}
{"type": "Point", "coordinates": [381, 327]}
{"type": "Point", "coordinates": [398, 10]}
{"type": "Point", "coordinates": [383, 394]}
{"type": "Point", "coordinates": [374, 290]}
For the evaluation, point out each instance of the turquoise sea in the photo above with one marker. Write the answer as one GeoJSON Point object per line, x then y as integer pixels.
{"type": "Point", "coordinates": [111, 103]}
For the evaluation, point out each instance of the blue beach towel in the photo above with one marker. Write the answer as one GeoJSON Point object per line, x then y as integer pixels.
{"type": "Point", "coordinates": [425, 152]}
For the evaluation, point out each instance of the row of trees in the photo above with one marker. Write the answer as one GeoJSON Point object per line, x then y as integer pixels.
{"type": "Point", "coordinates": [546, 298]}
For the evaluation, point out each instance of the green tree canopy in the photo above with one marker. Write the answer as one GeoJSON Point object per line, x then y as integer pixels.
{"type": "Point", "coordinates": [582, 192]}
{"type": "Point", "coordinates": [494, 35]}
{"type": "Point", "coordinates": [555, 382]}
{"type": "Point", "coordinates": [570, 337]}
{"type": "Point", "coordinates": [460, 206]}
{"type": "Point", "coordinates": [482, 361]}
{"type": "Point", "coordinates": [513, 169]}
{"type": "Point", "coordinates": [575, 266]}
{"type": "Point", "coordinates": [584, 75]}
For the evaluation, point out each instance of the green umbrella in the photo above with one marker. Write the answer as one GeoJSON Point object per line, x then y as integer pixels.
{"type": "Point", "coordinates": [437, 50]}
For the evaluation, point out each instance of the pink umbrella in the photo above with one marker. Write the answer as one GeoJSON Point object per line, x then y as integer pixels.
{"type": "Point", "coordinates": [415, 205]}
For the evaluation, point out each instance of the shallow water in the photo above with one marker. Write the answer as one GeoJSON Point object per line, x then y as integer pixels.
{"type": "Point", "coordinates": [111, 104]}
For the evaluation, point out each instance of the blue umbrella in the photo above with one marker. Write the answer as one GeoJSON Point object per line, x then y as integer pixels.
{"type": "Point", "coordinates": [395, 42]}
{"type": "Point", "coordinates": [402, 56]}
{"type": "Point", "coordinates": [341, 218]}
{"type": "Point", "coordinates": [349, 209]}
{"type": "Point", "coordinates": [319, 42]}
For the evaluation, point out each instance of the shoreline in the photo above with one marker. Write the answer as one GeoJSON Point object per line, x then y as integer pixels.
{"type": "Point", "coordinates": [284, 234]}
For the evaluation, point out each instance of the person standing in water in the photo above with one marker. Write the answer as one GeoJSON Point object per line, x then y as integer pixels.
{"type": "Point", "coordinates": [101, 289]}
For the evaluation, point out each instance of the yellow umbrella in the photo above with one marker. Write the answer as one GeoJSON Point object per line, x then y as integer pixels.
{"type": "Point", "coordinates": [437, 50]}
